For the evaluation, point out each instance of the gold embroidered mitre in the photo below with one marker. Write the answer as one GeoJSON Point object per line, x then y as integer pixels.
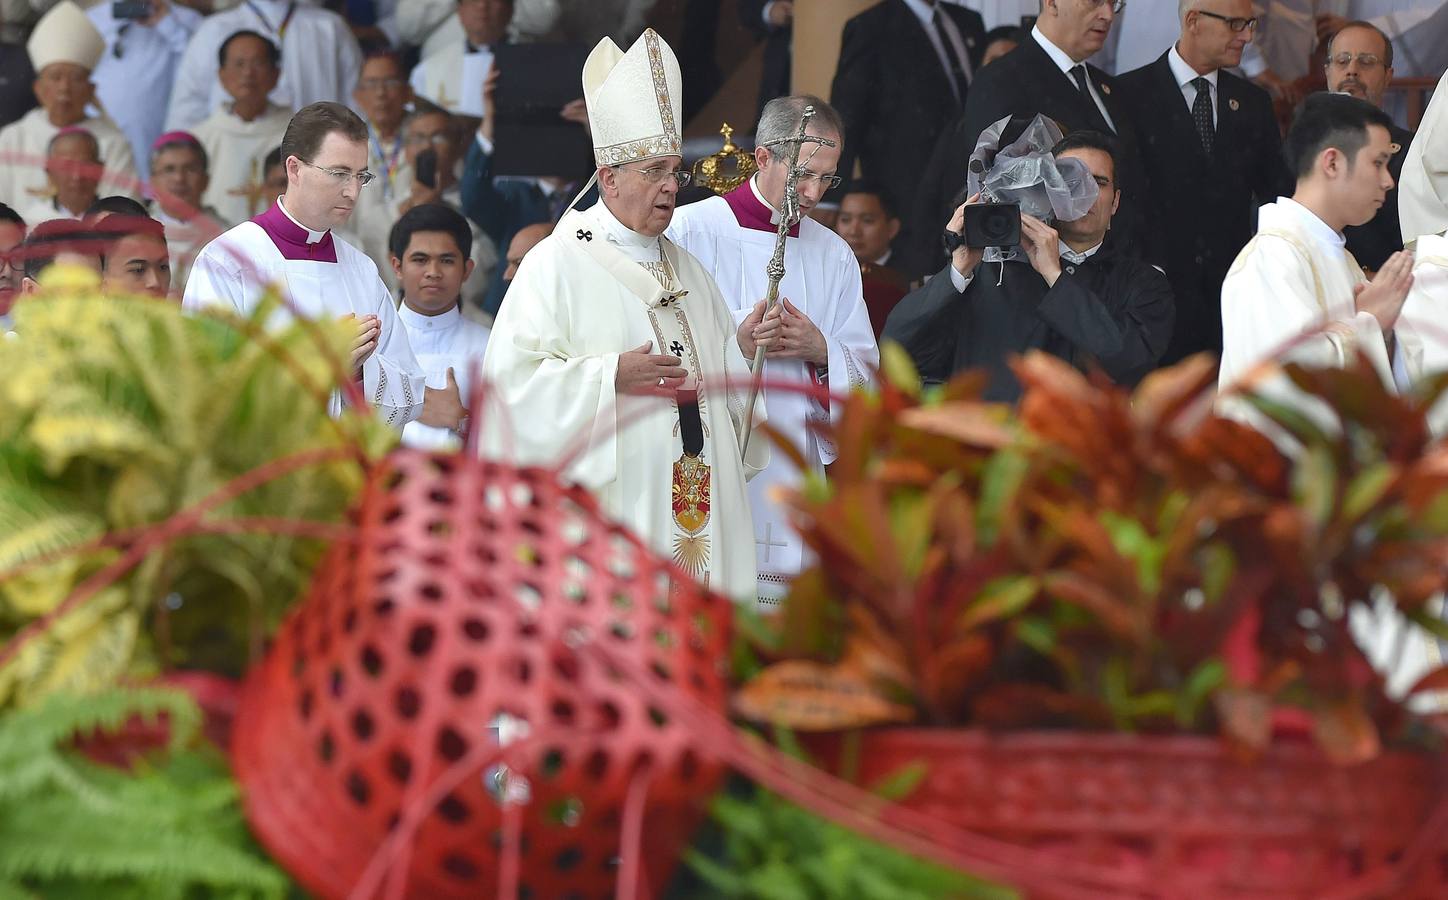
{"type": "Point", "coordinates": [635, 100]}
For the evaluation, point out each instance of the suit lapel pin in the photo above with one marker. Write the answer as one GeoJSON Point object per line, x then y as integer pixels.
{"type": "Point", "coordinates": [1234, 104]}
{"type": "Point", "coordinates": [1105, 89]}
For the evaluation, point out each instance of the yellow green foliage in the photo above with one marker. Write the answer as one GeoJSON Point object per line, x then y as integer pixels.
{"type": "Point", "coordinates": [115, 414]}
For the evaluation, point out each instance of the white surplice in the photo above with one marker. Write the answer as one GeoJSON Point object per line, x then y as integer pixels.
{"type": "Point", "coordinates": [236, 152]}
{"type": "Point", "coordinates": [1425, 313]}
{"type": "Point", "coordinates": [235, 269]}
{"type": "Point", "coordinates": [320, 58]}
{"type": "Point", "coordinates": [1294, 281]}
{"type": "Point", "coordinates": [24, 144]}
{"type": "Point", "coordinates": [441, 342]}
{"type": "Point", "coordinates": [586, 294]}
{"type": "Point", "coordinates": [821, 280]}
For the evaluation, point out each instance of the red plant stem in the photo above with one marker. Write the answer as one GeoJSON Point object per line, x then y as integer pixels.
{"type": "Point", "coordinates": [630, 884]}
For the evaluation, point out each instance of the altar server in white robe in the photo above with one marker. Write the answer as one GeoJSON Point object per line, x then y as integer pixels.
{"type": "Point", "coordinates": [292, 246]}
{"type": "Point", "coordinates": [615, 356]}
{"type": "Point", "coordinates": [320, 58]}
{"type": "Point", "coordinates": [827, 339]}
{"type": "Point", "coordinates": [431, 248]}
{"type": "Point", "coordinates": [64, 49]}
{"type": "Point", "coordinates": [1296, 294]}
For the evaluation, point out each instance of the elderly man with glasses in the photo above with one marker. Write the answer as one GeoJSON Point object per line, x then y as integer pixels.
{"type": "Point", "coordinates": [1213, 154]}
{"type": "Point", "coordinates": [292, 246]}
{"type": "Point", "coordinates": [614, 356]}
{"type": "Point", "coordinates": [825, 337]}
{"type": "Point", "coordinates": [1360, 62]}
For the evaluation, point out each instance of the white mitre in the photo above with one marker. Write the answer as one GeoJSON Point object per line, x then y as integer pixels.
{"type": "Point", "coordinates": [635, 100]}
{"type": "Point", "coordinates": [65, 35]}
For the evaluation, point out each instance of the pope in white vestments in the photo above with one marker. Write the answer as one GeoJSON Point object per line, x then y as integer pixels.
{"type": "Point", "coordinates": [598, 303]}
{"type": "Point", "coordinates": [734, 237]}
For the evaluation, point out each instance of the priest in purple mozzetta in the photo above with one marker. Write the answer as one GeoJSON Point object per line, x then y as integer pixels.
{"type": "Point", "coordinates": [291, 247]}
{"type": "Point", "coordinates": [826, 339]}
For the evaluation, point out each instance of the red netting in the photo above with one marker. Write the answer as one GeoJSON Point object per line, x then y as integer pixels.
{"type": "Point", "coordinates": [1177, 817]}
{"type": "Point", "coordinates": [447, 633]}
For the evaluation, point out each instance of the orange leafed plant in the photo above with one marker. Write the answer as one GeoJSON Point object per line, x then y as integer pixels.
{"type": "Point", "coordinates": [1106, 559]}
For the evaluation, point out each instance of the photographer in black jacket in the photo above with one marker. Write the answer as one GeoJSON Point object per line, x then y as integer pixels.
{"type": "Point", "coordinates": [1073, 295]}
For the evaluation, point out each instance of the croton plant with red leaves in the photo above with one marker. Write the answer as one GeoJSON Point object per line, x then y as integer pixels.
{"type": "Point", "coordinates": [1111, 560]}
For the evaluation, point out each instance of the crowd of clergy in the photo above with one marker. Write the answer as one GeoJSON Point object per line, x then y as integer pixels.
{"type": "Point", "coordinates": [1268, 185]}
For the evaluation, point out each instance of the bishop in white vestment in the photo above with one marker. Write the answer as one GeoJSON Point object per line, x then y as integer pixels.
{"type": "Point", "coordinates": [667, 464]}
{"type": "Point", "coordinates": [733, 237]}
{"type": "Point", "coordinates": [323, 277]}
{"type": "Point", "coordinates": [64, 49]}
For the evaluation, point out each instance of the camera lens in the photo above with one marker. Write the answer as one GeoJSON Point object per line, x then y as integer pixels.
{"type": "Point", "coordinates": [998, 225]}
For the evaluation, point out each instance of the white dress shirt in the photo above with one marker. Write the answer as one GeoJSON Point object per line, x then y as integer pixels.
{"type": "Point", "coordinates": [134, 76]}
{"type": "Point", "coordinates": [925, 12]}
{"type": "Point", "coordinates": [1184, 74]}
{"type": "Point", "coordinates": [1065, 63]}
{"type": "Point", "coordinates": [441, 342]}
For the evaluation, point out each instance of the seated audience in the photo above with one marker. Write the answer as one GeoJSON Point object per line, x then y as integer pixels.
{"type": "Point", "coordinates": [63, 49]}
{"type": "Point", "coordinates": [12, 234]}
{"type": "Point", "coordinates": [238, 135]}
{"type": "Point", "coordinates": [73, 171]}
{"type": "Point", "coordinates": [450, 77]}
{"type": "Point", "coordinates": [178, 181]}
{"type": "Point", "coordinates": [1075, 295]}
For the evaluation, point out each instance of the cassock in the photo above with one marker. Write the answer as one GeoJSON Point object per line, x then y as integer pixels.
{"type": "Point", "coordinates": [590, 291]}
{"type": "Point", "coordinates": [453, 78]}
{"type": "Point", "coordinates": [733, 237]}
{"type": "Point", "coordinates": [884, 288]}
{"type": "Point", "coordinates": [1293, 285]}
{"type": "Point", "coordinates": [236, 152]}
{"type": "Point", "coordinates": [320, 58]}
{"type": "Point", "coordinates": [441, 342]}
{"type": "Point", "coordinates": [1106, 310]}
{"type": "Point", "coordinates": [24, 144]}
{"type": "Point", "coordinates": [323, 277]}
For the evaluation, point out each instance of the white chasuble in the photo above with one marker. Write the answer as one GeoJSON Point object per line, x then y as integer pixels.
{"type": "Point", "coordinates": [589, 292]}
{"type": "Point", "coordinates": [321, 277]}
{"type": "Point", "coordinates": [733, 238]}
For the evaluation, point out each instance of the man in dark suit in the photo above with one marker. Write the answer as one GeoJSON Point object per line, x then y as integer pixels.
{"type": "Point", "coordinates": [1360, 62]}
{"type": "Point", "coordinates": [905, 69]}
{"type": "Point", "coordinates": [772, 20]}
{"type": "Point", "coordinates": [1048, 74]}
{"type": "Point", "coordinates": [1213, 154]}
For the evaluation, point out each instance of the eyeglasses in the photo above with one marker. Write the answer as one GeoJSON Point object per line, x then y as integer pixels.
{"type": "Point", "coordinates": [655, 175]}
{"type": "Point", "coordinates": [1364, 60]}
{"type": "Point", "coordinates": [342, 176]}
{"type": "Point", "coordinates": [1234, 23]}
{"type": "Point", "coordinates": [828, 182]}
{"type": "Point", "coordinates": [1116, 5]}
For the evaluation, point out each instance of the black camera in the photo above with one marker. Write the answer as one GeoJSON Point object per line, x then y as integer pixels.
{"type": "Point", "coordinates": [992, 225]}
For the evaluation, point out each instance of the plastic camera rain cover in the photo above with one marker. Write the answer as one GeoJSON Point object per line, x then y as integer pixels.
{"type": "Point", "coordinates": [1025, 172]}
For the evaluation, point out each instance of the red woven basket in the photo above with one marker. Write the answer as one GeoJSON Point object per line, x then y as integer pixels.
{"type": "Point", "coordinates": [1177, 817]}
{"type": "Point", "coordinates": [458, 627]}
